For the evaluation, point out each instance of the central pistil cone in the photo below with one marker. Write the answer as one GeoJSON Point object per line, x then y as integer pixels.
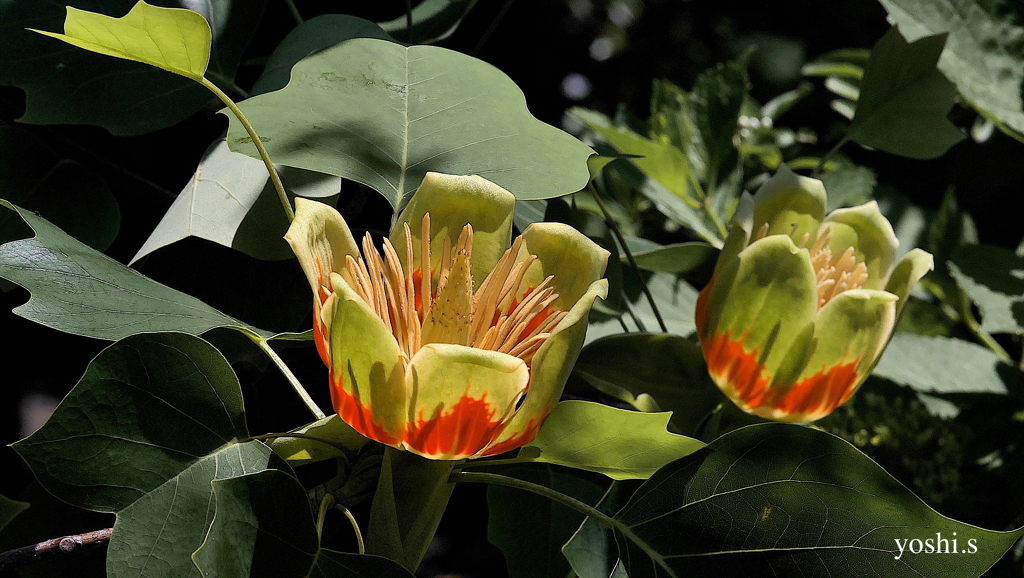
{"type": "Point", "coordinates": [441, 306]}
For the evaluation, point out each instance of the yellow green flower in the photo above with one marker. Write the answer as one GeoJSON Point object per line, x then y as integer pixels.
{"type": "Point", "coordinates": [801, 306]}
{"type": "Point", "coordinates": [450, 342]}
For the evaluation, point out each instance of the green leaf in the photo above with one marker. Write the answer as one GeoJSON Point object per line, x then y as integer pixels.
{"type": "Point", "coordinates": [156, 536]}
{"type": "Point", "coordinates": [678, 258]}
{"type": "Point", "coordinates": [904, 99]}
{"type": "Point", "coordinates": [231, 201]}
{"type": "Point", "coordinates": [845, 63]}
{"type": "Point", "coordinates": [667, 367]}
{"type": "Point", "coordinates": [780, 500]}
{"type": "Point", "coordinates": [660, 160]}
{"type": "Point", "coordinates": [383, 115]}
{"type": "Point", "coordinates": [9, 509]}
{"type": "Point", "coordinates": [676, 301]}
{"type": "Point", "coordinates": [65, 84]}
{"type": "Point", "coordinates": [848, 185]}
{"type": "Point", "coordinates": [621, 444]}
{"type": "Point", "coordinates": [588, 552]}
{"type": "Point", "coordinates": [174, 39]}
{"type": "Point", "coordinates": [432, 20]}
{"type": "Point", "coordinates": [262, 527]}
{"type": "Point", "coordinates": [337, 435]}
{"type": "Point", "coordinates": [983, 56]}
{"type": "Point", "coordinates": [79, 290]}
{"type": "Point", "coordinates": [716, 100]}
{"type": "Point", "coordinates": [308, 38]}
{"type": "Point", "coordinates": [331, 564]}
{"type": "Point", "coordinates": [148, 407]}
{"type": "Point", "coordinates": [993, 277]}
{"type": "Point", "coordinates": [531, 529]}
{"type": "Point", "coordinates": [67, 193]}
{"type": "Point", "coordinates": [945, 365]}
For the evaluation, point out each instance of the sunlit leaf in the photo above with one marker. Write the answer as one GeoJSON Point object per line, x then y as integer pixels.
{"type": "Point", "coordinates": [846, 63]}
{"type": "Point", "coordinates": [983, 57]}
{"type": "Point", "coordinates": [993, 277]}
{"type": "Point", "coordinates": [262, 527]}
{"type": "Point", "coordinates": [621, 444]}
{"type": "Point", "coordinates": [779, 500]}
{"type": "Point", "coordinates": [904, 99]}
{"type": "Point", "coordinates": [848, 185]}
{"type": "Point", "coordinates": [79, 290]}
{"type": "Point", "coordinates": [174, 39]}
{"type": "Point", "coordinates": [230, 201]}
{"type": "Point", "coordinates": [383, 114]}
{"type": "Point", "coordinates": [945, 365]}
{"type": "Point", "coordinates": [677, 258]}
{"type": "Point", "coordinates": [337, 436]}
{"type": "Point", "coordinates": [65, 84]}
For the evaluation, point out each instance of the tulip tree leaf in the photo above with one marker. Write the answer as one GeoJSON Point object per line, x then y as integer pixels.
{"type": "Point", "coordinates": [588, 552]}
{"type": "Point", "coordinates": [262, 527]}
{"type": "Point", "coordinates": [338, 436]}
{"type": "Point", "coordinates": [676, 300]}
{"type": "Point", "coordinates": [984, 56]}
{"type": "Point", "coordinates": [230, 201]}
{"type": "Point", "coordinates": [660, 160]}
{"type": "Point", "coordinates": [530, 529]}
{"type": "Point", "coordinates": [848, 186]}
{"type": "Point", "coordinates": [717, 97]}
{"type": "Point", "coordinates": [65, 84]}
{"type": "Point", "coordinates": [67, 193]}
{"type": "Point", "coordinates": [677, 258]}
{"type": "Point", "coordinates": [148, 407]}
{"type": "Point", "coordinates": [994, 279]}
{"type": "Point", "coordinates": [780, 500]}
{"type": "Point", "coordinates": [9, 509]}
{"type": "Point", "coordinates": [621, 444]}
{"type": "Point", "coordinates": [79, 290]}
{"type": "Point", "coordinates": [945, 365]}
{"type": "Point", "coordinates": [384, 115]}
{"type": "Point", "coordinates": [331, 564]}
{"type": "Point", "coordinates": [174, 39]}
{"type": "Point", "coordinates": [904, 99]}
{"type": "Point", "coordinates": [432, 20]}
{"type": "Point", "coordinates": [667, 367]}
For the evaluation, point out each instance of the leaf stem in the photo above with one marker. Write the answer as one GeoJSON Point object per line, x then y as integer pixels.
{"type": "Point", "coordinates": [408, 21]}
{"type": "Point", "coordinates": [274, 177]}
{"type": "Point", "coordinates": [355, 527]}
{"type": "Point", "coordinates": [297, 435]}
{"type": "Point", "coordinates": [325, 504]}
{"type": "Point", "coordinates": [294, 11]}
{"type": "Point", "coordinates": [825, 157]}
{"type": "Point", "coordinates": [629, 255]}
{"type": "Point", "coordinates": [567, 501]}
{"type": "Point", "coordinates": [263, 344]}
{"type": "Point", "coordinates": [490, 29]}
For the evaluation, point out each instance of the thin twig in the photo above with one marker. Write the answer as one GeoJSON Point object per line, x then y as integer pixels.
{"type": "Point", "coordinates": [67, 545]}
{"type": "Point", "coordinates": [825, 157]}
{"type": "Point", "coordinates": [490, 30]}
{"type": "Point", "coordinates": [408, 21]}
{"type": "Point", "coordinates": [355, 527]}
{"type": "Point", "coordinates": [294, 10]}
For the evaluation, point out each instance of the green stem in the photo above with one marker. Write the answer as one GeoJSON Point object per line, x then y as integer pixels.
{"type": "Point", "coordinates": [274, 177]}
{"type": "Point", "coordinates": [983, 336]}
{"type": "Point", "coordinates": [490, 29]}
{"type": "Point", "coordinates": [355, 527]}
{"type": "Point", "coordinates": [325, 504]}
{"type": "Point", "coordinates": [629, 254]}
{"type": "Point", "coordinates": [825, 157]}
{"type": "Point", "coordinates": [294, 11]}
{"type": "Point", "coordinates": [569, 502]}
{"type": "Point", "coordinates": [263, 344]}
{"type": "Point", "coordinates": [408, 21]}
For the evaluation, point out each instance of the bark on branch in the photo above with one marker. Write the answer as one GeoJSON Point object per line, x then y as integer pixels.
{"type": "Point", "coordinates": [67, 545]}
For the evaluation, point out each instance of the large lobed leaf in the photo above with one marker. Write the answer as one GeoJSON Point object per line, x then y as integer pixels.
{"type": "Point", "coordinates": [904, 99]}
{"type": "Point", "coordinates": [779, 500]}
{"type": "Point", "coordinates": [383, 114]}
{"type": "Point", "coordinates": [79, 290]}
{"type": "Point", "coordinates": [984, 55]}
{"type": "Point", "coordinates": [994, 279]}
{"type": "Point", "coordinates": [65, 84]}
{"type": "Point", "coordinates": [944, 365]}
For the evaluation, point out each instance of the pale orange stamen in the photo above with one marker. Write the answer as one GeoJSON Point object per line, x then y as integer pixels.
{"type": "Point", "coordinates": [835, 274]}
{"type": "Point", "coordinates": [421, 302]}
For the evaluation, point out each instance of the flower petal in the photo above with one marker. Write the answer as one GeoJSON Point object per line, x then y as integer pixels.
{"type": "Point", "coordinates": [911, 268]}
{"type": "Point", "coordinates": [574, 260]}
{"type": "Point", "coordinates": [790, 204]}
{"type": "Point", "coordinates": [763, 299]}
{"type": "Point", "coordinates": [367, 368]}
{"type": "Point", "coordinates": [739, 231]}
{"type": "Point", "coordinates": [865, 229]}
{"type": "Point", "coordinates": [320, 239]}
{"type": "Point", "coordinates": [460, 399]}
{"type": "Point", "coordinates": [550, 369]}
{"type": "Point", "coordinates": [453, 201]}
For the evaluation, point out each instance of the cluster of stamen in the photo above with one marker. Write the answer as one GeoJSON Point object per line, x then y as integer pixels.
{"type": "Point", "coordinates": [835, 274]}
{"type": "Point", "coordinates": [422, 305]}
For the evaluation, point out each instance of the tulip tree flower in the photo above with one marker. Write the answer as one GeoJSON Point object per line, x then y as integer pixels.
{"type": "Point", "coordinates": [801, 306]}
{"type": "Point", "coordinates": [450, 343]}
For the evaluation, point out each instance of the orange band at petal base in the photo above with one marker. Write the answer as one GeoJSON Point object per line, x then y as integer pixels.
{"type": "Point", "coordinates": [740, 376]}
{"type": "Point", "coordinates": [351, 410]}
{"type": "Point", "coordinates": [520, 440]}
{"type": "Point", "coordinates": [460, 432]}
